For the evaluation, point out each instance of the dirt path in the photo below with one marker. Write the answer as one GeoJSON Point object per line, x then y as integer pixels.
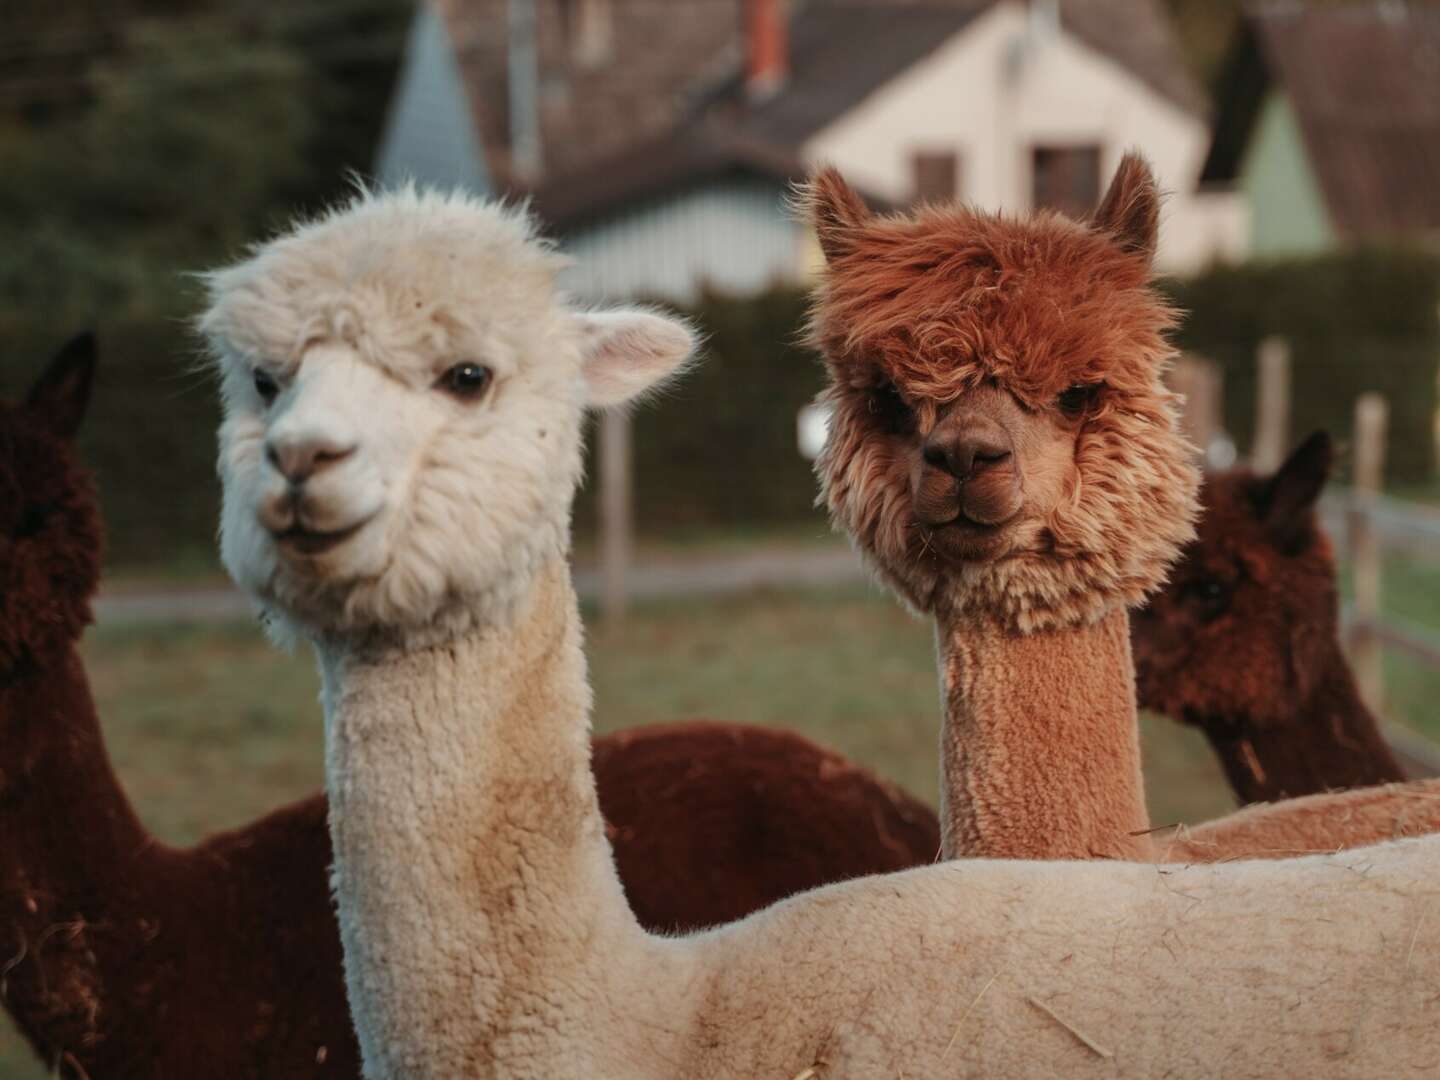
{"type": "Point", "coordinates": [655, 577]}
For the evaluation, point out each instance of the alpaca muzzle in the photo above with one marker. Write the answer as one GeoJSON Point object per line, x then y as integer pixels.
{"type": "Point", "coordinates": [967, 471]}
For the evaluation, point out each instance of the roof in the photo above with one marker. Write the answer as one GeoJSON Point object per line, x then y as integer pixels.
{"type": "Point", "coordinates": [680, 159]}
{"type": "Point", "coordinates": [1364, 83]}
{"type": "Point", "coordinates": [663, 60]}
{"type": "Point", "coordinates": [840, 53]}
{"type": "Point", "coordinates": [1139, 36]}
{"type": "Point", "coordinates": [657, 112]}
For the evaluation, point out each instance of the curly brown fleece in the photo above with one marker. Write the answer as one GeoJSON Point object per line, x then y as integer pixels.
{"type": "Point", "coordinates": [945, 298]}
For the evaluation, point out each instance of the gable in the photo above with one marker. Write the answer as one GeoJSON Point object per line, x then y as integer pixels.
{"type": "Point", "coordinates": [957, 98]}
{"type": "Point", "coordinates": [1364, 86]}
{"type": "Point", "coordinates": [1288, 214]}
{"type": "Point", "coordinates": [430, 135]}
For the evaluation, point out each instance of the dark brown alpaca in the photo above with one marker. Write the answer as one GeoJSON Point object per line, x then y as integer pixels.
{"type": "Point", "coordinates": [1244, 642]}
{"type": "Point", "coordinates": [122, 957]}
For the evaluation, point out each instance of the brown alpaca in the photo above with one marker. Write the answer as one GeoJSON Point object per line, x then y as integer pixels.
{"type": "Point", "coordinates": [122, 957]}
{"type": "Point", "coordinates": [1244, 641]}
{"type": "Point", "coordinates": [1005, 454]}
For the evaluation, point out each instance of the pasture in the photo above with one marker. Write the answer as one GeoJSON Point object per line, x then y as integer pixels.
{"type": "Point", "coordinates": [210, 726]}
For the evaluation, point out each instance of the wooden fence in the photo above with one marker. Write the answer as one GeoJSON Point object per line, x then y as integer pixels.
{"type": "Point", "coordinates": [1364, 521]}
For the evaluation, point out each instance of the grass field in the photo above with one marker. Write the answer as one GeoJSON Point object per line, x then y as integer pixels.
{"type": "Point", "coordinates": [210, 726]}
{"type": "Point", "coordinates": [1411, 592]}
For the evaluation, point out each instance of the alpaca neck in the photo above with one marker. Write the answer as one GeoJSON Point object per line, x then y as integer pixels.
{"type": "Point", "coordinates": [472, 872]}
{"type": "Point", "coordinates": [1331, 741]}
{"type": "Point", "coordinates": [1040, 750]}
{"type": "Point", "coordinates": [69, 839]}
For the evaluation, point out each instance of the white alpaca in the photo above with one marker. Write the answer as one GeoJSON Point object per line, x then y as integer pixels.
{"type": "Point", "coordinates": [404, 392]}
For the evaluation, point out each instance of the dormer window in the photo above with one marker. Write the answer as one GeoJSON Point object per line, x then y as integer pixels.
{"type": "Point", "coordinates": [1065, 178]}
{"type": "Point", "coordinates": [936, 175]}
{"type": "Point", "coordinates": [589, 31]}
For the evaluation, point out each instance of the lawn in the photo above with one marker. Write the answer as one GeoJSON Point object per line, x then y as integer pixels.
{"type": "Point", "coordinates": [1410, 591]}
{"type": "Point", "coordinates": [210, 726]}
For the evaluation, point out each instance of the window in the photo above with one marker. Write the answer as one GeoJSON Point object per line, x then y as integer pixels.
{"type": "Point", "coordinates": [1066, 178]}
{"type": "Point", "coordinates": [589, 31]}
{"type": "Point", "coordinates": [936, 175]}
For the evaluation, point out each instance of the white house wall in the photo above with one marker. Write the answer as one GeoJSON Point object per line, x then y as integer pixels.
{"type": "Point", "coordinates": [734, 235]}
{"type": "Point", "coordinates": [1065, 94]}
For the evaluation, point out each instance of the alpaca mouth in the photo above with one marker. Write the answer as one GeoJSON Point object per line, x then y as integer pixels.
{"type": "Point", "coordinates": [313, 542]}
{"type": "Point", "coordinates": [963, 539]}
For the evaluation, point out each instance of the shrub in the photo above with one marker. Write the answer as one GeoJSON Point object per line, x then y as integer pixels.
{"type": "Point", "coordinates": [719, 451]}
{"type": "Point", "coordinates": [1356, 321]}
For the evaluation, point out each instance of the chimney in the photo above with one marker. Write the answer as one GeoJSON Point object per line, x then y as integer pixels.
{"type": "Point", "coordinates": [767, 49]}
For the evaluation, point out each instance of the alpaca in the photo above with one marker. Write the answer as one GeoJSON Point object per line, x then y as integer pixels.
{"type": "Point", "coordinates": [110, 942]}
{"type": "Point", "coordinates": [1244, 641]}
{"type": "Point", "coordinates": [1004, 454]}
{"type": "Point", "coordinates": [403, 391]}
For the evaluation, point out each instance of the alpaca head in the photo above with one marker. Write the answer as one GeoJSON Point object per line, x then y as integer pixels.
{"type": "Point", "coordinates": [403, 391]}
{"type": "Point", "coordinates": [1002, 446]}
{"type": "Point", "coordinates": [50, 536]}
{"type": "Point", "coordinates": [1249, 620]}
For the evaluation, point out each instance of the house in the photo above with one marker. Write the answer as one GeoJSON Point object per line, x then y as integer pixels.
{"type": "Point", "coordinates": [659, 139]}
{"type": "Point", "coordinates": [1329, 128]}
{"type": "Point", "coordinates": [430, 134]}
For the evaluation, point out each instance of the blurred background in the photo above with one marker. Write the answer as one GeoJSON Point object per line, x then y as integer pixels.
{"type": "Point", "coordinates": [143, 140]}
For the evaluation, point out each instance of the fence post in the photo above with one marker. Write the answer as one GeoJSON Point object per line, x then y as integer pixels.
{"type": "Point", "coordinates": [1200, 383]}
{"type": "Point", "coordinates": [1272, 406]}
{"type": "Point", "coordinates": [616, 531]}
{"type": "Point", "coordinates": [1371, 418]}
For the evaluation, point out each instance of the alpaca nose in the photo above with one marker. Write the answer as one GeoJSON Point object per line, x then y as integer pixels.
{"type": "Point", "coordinates": [299, 458]}
{"type": "Point", "coordinates": [967, 447]}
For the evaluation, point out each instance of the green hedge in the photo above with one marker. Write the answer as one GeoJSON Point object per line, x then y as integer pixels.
{"type": "Point", "coordinates": [149, 436]}
{"type": "Point", "coordinates": [718, 451]}
{"type": "Point", "coordinates": [1357, 321]}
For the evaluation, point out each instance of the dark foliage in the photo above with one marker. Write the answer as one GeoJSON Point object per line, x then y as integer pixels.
{"type": "Point", "coordinates": [720, 451]}
{"type": "Point", "coordinates": [1356, 321]}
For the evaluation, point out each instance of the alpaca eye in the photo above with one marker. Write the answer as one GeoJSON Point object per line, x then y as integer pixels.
{"type": "Point", "coordinates": [266, 386]}
{"type": "Point", "coordinates": [32, 520]}
{"type": "Point", "coordinates": [1076, 399]}
{"type": "Point", "coordinates": [466, 381]}
{"type": "Point", "coordinates": [1209, 597]}
{"type": "Point", "coordinates": [890, 410]}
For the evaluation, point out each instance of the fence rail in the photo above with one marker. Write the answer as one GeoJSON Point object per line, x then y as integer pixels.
{"type": "Point", "coordinates": [1370, 523]}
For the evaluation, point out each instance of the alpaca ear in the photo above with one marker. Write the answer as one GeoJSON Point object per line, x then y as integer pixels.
{"type": "Point", "coordinates": [61, 394]}
{"type": "Point", "coordinates": [629, 351]}
{"type": "Point", "coordinates": [1288, 498]}
{"type": "Point", "coordinates": [836, 211]}
{"type": "Point", "coordinates": [1130, 211]}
